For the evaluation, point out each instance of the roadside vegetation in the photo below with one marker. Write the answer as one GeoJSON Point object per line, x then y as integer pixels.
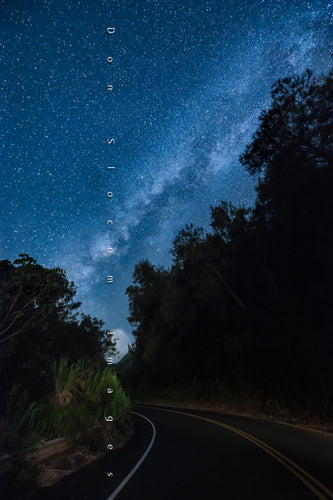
{"type": "Point", "coordinates": [243, 316]}
{"type": "Point", "coordinates": [76, 405]}
{"type": "Point", "coordinates": [54, 379]}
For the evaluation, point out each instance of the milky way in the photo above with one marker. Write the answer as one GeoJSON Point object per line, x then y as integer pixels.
{"type": "Point", "coordinates": [189, 82]}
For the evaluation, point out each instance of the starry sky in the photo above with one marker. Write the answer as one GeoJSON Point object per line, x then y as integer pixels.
{"type": "Point", "coordinates": [189, 78]}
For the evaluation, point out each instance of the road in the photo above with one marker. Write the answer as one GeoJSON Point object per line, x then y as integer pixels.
{"type": "Point", "coordinates": [191, 454]}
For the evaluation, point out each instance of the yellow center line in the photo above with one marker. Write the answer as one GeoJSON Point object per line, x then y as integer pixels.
{"type": "Point", "coordinates": [298, 471]}
{"type": "Point", "coordinates": [293, 464]}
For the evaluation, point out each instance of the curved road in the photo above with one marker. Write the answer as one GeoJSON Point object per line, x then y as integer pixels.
{"type": "Point", "coordinates": [182, 454]}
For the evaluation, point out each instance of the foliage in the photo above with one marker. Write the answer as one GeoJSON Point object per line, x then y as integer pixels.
{"type": "Point", "coordinates": [77, 403]}
{"type": "Point", "coordinates": [38, 315]}
{"type": "Point", "coordinates": [248, 304]}
{"type": "Point", "coordinates": [18, 422]}
{"type": "Point", "coordinates": [31, 294]}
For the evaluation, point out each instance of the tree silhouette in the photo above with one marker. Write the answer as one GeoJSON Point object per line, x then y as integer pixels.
{"type": "Point", "coordinates": [249, 303]}
{"type": "Point", "coordinates": [31, 294]}
{"type": "Point", "coordinates": [39, 323]}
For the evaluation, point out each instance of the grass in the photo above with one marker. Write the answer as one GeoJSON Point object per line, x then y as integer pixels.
{"type": "Point", "coordinates": [18, 421]}
{"type": "Point", "coordinates": [78, 404]}
{"type": "Point", "coordinates": [68, 381]}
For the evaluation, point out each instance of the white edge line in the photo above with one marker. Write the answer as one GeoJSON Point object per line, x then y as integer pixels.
{"type": "Point", "coordinates": [135, 468]}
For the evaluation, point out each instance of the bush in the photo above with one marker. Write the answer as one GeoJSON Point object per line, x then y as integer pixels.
{"type": "Point", "coordinates": [78, 403]}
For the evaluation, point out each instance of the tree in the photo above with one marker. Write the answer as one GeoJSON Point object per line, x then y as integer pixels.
{"type": "Point", "coordinates": [299, 119]}
{"type": "Point", "coordinates": [292, 155]}
{"type": "Point", "coordinates": [31, 294]}
{"type": "Point", "coordinates": [40, 324]}
{"type": "Point", "coordinates": [145, 297]}
{"type": "Point", "coordinates": [292, 151]}
{"type": "Point", "coordinates": [250, 302]}
{"type": "Point", "coordinates": [186, 242]}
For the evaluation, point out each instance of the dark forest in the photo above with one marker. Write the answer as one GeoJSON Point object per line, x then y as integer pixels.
{"type": "Point", "coordinates": [245, 308]}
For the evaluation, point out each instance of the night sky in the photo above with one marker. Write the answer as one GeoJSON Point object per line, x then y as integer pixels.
{"type": "Point", "coordinates": [190, 79]}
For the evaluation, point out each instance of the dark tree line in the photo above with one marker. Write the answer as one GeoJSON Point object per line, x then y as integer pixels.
{"type": "Point", "coordinates": [39, 324]}
{"type": "Point", "coordinates": [250, 302]}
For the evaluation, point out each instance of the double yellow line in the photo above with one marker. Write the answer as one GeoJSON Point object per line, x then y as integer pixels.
{"type": "Point", "coordinates": [311, 482]}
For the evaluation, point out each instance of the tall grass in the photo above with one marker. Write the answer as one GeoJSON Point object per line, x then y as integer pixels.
{"type": "Point", "coordinates": [18, 421]}
{"type": "Point", "coordinates": [68, 381]}
{"type": "Point", "coordinates": [96, 385]}
{"type": "Point", "coordinates": [100, 404]}
{"type": "Point", "coordinates": [78, 403]}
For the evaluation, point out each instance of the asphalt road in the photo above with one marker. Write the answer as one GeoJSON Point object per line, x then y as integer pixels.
{"type": "Point", "coordinates": [191, 454]}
